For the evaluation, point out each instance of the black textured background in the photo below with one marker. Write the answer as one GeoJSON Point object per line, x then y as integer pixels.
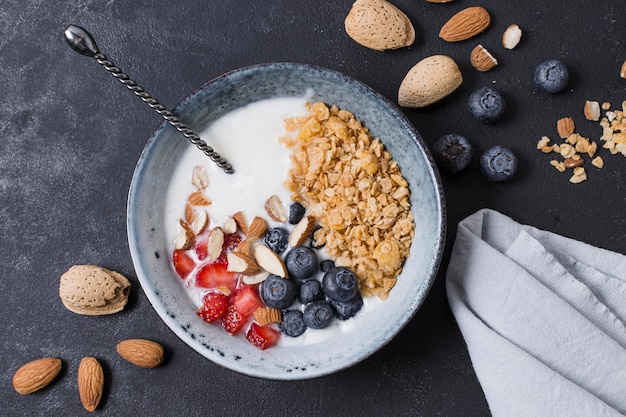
{"type": "Point", "coordinates": [70, 136]}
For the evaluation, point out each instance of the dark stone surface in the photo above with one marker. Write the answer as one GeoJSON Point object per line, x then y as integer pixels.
{"type": "Point", "coordinates": [70, 137]}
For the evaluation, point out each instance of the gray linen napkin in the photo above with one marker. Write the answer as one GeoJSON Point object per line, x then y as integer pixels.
{"type": "Point", "coordinates": [543, 317]}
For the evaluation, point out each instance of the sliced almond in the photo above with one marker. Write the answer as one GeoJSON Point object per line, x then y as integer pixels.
{"type": "Point", "coordinates": [592, 110]}
{"type": "Point", "coordinates": [511, 36]}
{"type": "Point", "coordinates": [241, 221]}
{"type": "Point", "coordinates": [229, 226]}
{"type": "Point", "coordinates": [215, 243]}
{"type": "Point", "coordinates": [190, 213]}
{"type": "Point", "coordinates": [183, 241]}
{"type": "Point", "coordinates": [622, 72]}
{"type": "Point", "coordinates": [199, 177]}
{"type": "Point", "coordinates": [255, 279]}
{"type": "Point", "coordinates": [197, 198]}
{"type": "Point", "coordinates": [267, 315]}
{"type": "Point", "coordinates": [190, 236]}
{"type": "Point", "coordinates": [245, 247]}
{"type": "Point", "coordinates": [302, 231]}
{"type": "Point", "coordinates": [200, 222]}
{"type": "Point", "coordinates": [276, 209]}
{"type": "Point", "coordinates": [257, 228]}
{"type": "Point", "coordinates": [269, 261]}
{"type": "Point", "coordinates": [238, 262]}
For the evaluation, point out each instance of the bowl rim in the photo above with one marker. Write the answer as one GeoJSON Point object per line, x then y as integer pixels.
{"type": "Point", "coordinates": [438, 249]}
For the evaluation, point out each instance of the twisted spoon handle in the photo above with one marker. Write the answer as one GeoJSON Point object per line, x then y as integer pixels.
{"type": "Point", "coordinates": [82, 42]}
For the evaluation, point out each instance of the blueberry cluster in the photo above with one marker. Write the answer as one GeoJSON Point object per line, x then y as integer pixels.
{"type": "Point", "coordinates": [315, 292]}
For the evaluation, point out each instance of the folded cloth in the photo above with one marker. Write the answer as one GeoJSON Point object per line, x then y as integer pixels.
{"type": "Point", "coordinates": [543, 317]}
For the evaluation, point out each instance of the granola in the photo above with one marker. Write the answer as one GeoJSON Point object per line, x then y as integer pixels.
{"type": "Point", "coordinates": [350, 182]}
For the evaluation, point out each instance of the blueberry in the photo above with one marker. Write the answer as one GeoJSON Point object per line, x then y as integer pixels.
{"type": "Point", "coordinates": [318, 315]}
{"type": "Point", "coordinates": [347, 309]}
{"type": "Point", "coordinates": [278, 292]}
{"type": "Point", "coordinates": [498, 164]}
{"type": "Point", "coordinates": [486, 105]}
{"type": "Point", "coordinates": [311, 290]}
{"type": "Point", "coordinates": [453, 152]}
{"type": "Point", "coordinates": [340, 284]}
{"type": "Point", "coordinates": [293, 323]}
{"type": "Point", "coordinates": [551, 76]}
{"type": "Point", "coordinates": [326, 264]}
{"type": "Point", "coordinates": [277, 239]}
{"type": "Point", "coordinates": [314, 243]}
{"type": "Point", "coordinates": [296, 212]}
{"type": "Point", "coordinates": [301, 262]}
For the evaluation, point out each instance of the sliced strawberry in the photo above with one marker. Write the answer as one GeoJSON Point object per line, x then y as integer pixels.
{"type": "Point", "coordinates": [246, 300]}
{"type": "Point", "coordinates": [215, 275]}
{"type": "Point", "coordinates": [233, 321]}
{"type": "Point", "coordinates": [231, 241]}
{"type": "Point", "coordinates": [183, 264]}
{"type": "Point", "coordinates": [214, 307]}
{"type": "Point", "coordinates": [243, 303]}
{"type": "Point", "coordinates": [262, 336]}
{"type": "Point", "coordinates": [201, 248]}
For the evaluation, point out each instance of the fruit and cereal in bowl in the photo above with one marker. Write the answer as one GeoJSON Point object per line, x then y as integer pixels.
{"type": "Point", "coordinates": [316, 251]}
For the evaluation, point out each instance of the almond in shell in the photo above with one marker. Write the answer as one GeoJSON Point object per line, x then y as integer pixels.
{"type": "Point", "coordinates": [379, 25]}
{"type": "Point", "coordinates": [141, 352]}
{"type": "Point", "coordinates": [430, 80]}
{"type": "Point", "coordinates": [90, 382]}
{"type": "Point", "coordinates": [465, 24]}
{"type": "Point", "coordinates": [35, 375]}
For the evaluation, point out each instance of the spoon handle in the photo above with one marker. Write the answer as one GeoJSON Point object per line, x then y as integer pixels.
{"type": "Point", "coordinates": [82, 42]}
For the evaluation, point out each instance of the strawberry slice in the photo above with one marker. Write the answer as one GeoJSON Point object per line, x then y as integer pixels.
{"type": "Point", "coordinates": [183, 264]}
{"type": "Point", "coordinates": [215, 275]}
{"type": "Point", "coordinates": [214, 307]}
{"type": "Point", "coordinates": [201, 247]}
{"type": "Point", "coordinates": [231, 241]}
{"type": "Point", "coordinates": [262, 336]}
{"type": "Point", "coordinates": [243, 303]}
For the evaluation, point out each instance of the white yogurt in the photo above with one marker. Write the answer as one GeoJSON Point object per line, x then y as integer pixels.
{"type": "Point", "coordinates": [248, 138]}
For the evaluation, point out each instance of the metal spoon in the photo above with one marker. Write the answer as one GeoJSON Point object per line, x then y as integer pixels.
{"type": "Point", "coordinates": [82, 42]}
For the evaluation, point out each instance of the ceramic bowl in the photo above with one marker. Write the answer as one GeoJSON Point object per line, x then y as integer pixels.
{"type": "Point", "coordinates": [151, 251]}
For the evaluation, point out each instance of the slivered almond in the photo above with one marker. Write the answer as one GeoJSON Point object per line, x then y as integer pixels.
{"type": "Point", "coordinates": [302, 231]}
{"type": "Point", "coordinates": [592, 110]}
{"type": "Point", "coordinates": [238, 262]}
{"type": "Point", "coordinates": [511, 36]}
{"type": "Point", "coordinates": [190, 213]}
{"type": "Point", "coordinates": [200, 222]}
{"type": "Point", "coordinates": [276, 209]}
{"type": "Point", "coordinates": [255, 279]}
{"type": "Point", "coordinates": [465, 24]}
{"type": "Point", "coordinates": [229, 226]}
{"type": "Point", "coordinates": [199, 177]}
{"type": "Point", "coordinates": [257, 228]}
{"type": "Point", "coordinates": [197, 198]}
{"type": "Point", "coordinates": [269, 261]}
{"type": "Point", "coordinates": [267, 315]}
{"type": "Point", "coordinates": [241, 221]}
{"type": "Point", "coordinates": [214, 243]}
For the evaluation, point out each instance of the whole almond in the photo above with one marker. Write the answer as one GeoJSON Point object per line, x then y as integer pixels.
{"type": "Point", "coordinates": [141, 352]}
{"type": "Point", "coordinates": [465, 24]}
{"type": "Point", "coordinates": [482, 60]}
{"type": "Point", "coordinates": [430, 80]}
{"type": "Point", "coordinates": [90, 382]}
{"type": "Point", "coordinates": [379, 25]}
{"type": "Point", "coordinates": [35, 375]}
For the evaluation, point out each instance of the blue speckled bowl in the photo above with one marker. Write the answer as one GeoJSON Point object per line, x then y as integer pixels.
{"type": "Point", "coordinates": [151, 252]}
